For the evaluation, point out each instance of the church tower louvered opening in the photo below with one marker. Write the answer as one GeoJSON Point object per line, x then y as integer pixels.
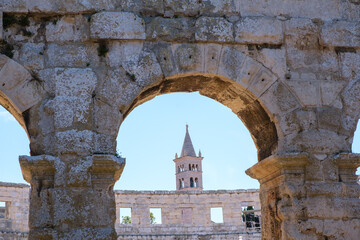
{"type": "Point", "coordinates": [188, 167]}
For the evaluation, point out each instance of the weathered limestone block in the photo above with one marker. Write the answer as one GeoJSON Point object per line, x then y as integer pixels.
{"type": "Point", "coordinates": [287, 196]}
{"type": "Point", "coordinates": [218, 8]}
{"type": "Point", "coordinates": [259, 30]}
{"type": "Point", "coordinates": [68, 28]}
{"type": "Point", "coordinates": [248, 70]}
{"type": "Point", "coordinates": [122, 52]}
{"type": "Point", "coordinates": [31, 56]}
{"type": "Point", "coordinates": [189, 57]}
{"type": "Point", "coordinates": [117, 25]}
{"type": "Point", "coordinates": [168, 29]}
{"type": "Point", "coordinates": [66, 55]}
{"type": "Point", "coordinates": [18, 85]}
{"type": "Point", "coordinates": [166, 58]}
{"type": "Point", "coordinates": [182, 8]}
{"type": "Point", "coordinates": [12, 74]}
{"type": "Point", "coordinates": [301, 33]}
{"type": "Point", "coordinates": [340, 34]}
{"type": "Point", "coordinates": [280, 105]}
{"type": "Point", "coordinates": [72, 90]}
{"type": "Point", "coordinates": [212, 55]}
{"type": "Point", "coordinates": [27, 94]}
{"type": "Point", "coordinates": [118, 89]}
{"type": "Point", "coordinates": [309, 9]}
{"type": "Point", "coordinates": [272, 58]}
{"type": "Point", "coordinates": [73, 141]}
{"type": "Point", "coordinates": [145, 70]}
{"type": "Point", "coordinates": [329, 91]}
{"type": "Point", "coordinates": [306, 91]}
{"type": "Point", "coordinates": [104, 143]}
{"type": "Point", "coordinates": [213, 30]}
{"type": "Point", "coordinates": [145, 7]}
{"type": "Point", "coordinates": [71, 197]}
{"type": "Point", "coordinates": [107, 118]}
{"type": "Point", "coordinates": [230, 62]}
{"type": "Point", "coordinates": [262, 81]}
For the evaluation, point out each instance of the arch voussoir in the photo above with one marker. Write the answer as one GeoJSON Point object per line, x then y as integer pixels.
{"type": "Point", "coordinates": [19, 90]}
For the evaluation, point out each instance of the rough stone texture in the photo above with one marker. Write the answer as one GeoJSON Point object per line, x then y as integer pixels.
{"type": "Point", "coordinates": [259, 30]}
{"type": "Point", "coordinates": [341, 34]}
{"type": "Point", "coordinates": [117, 25]}
{"type": "Point", "coordinates": [61, 197]}
{"type": "Point", "coordinates": [289, 69]}
{"type": "Point", "coordinates": [213, 29]}
{"type": "Point", "coordinates": [292, 193]}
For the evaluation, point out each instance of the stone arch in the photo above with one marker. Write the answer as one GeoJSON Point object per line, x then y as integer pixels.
{"type": "Point", "coordinates": [243, 103]}
{"type": "Point", "coordinates": [225, 73]}
{"type": "Point", "coordinates": [19, 90]}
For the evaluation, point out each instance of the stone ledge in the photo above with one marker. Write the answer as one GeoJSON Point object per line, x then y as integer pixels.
{"type": "Point", "coordinates": [348, 164]}
{"type": "Point", "coordinates": [17, 185]}
{"type": "Point", "coordinates": [277, 165]}
{"type": "Point", "coordinates": [117, 25]}
{"type": "Point", "coordinates": [205, 192]}
{"type": "Point", "coordinates": [329, 8]}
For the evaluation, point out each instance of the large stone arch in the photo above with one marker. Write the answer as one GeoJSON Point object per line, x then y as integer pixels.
{"type": "Point", "coordinates": [19, 90]}
{"type": "Point", "coordinates": [224, 73]}
{"type": "Point", "coordinates": [242, 102]}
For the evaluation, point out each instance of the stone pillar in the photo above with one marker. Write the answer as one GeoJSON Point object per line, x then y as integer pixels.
{"type": "Point", "coordinates": [295, 206]}
{"type": "Point", "coordinates": [72, 197]}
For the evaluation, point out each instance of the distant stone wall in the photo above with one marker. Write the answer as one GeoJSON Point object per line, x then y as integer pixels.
{"type": "Point", "coordinates": [186, 215]}
{"type": "Point", "coordinates": [196, 225]}
{"type": "Point", "coordinates": [15, 214]}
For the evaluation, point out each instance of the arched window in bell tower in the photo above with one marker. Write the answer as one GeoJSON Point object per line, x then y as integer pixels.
{"type": "Point", "coordinates": [196, 182]}
{"type": "Point", "coordinates": [191, 182]}
{"type": "Point", "coordinates": [189, 167]}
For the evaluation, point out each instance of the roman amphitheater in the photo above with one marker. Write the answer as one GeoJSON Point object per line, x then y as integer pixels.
{"type": "Point", "coordinates": [71, 72]}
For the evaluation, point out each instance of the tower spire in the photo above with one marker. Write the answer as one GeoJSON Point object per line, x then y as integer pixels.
{"type": "Point", "coordinates": [188, 167]}
{"type": "Point", "coordinates": [188, 148]}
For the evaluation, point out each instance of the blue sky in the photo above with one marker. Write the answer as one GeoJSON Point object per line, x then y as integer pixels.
{"type": "Point", "coordinates": [151, 135]}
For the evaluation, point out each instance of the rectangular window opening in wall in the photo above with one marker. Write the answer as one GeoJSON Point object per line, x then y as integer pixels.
{"type": "Point", "coordinates": [125, 215]}
{"type": "Point", "coordinates": [216, 215]}
{"type": "Point", "coordinates": [155, 216]}
{"type": "Point", "coordinates": [4, 211]}
{"type": "Point", "coordinates": [251, 217]}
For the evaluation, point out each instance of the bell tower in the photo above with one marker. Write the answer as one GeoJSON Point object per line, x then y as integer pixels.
{"type": "Point", "coordinates": [188, 167]}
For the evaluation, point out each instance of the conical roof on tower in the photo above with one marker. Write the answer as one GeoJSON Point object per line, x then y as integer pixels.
{"type": "Point", "coordinates": [188, 148]}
